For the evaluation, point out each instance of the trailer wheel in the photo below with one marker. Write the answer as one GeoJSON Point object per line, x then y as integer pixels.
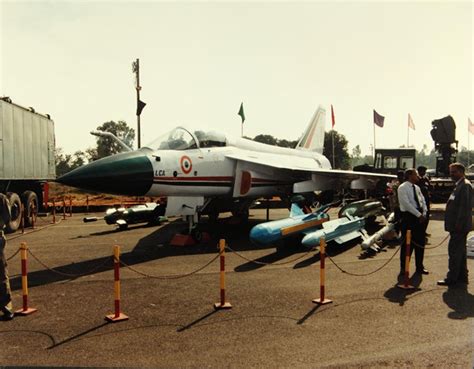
{"type": "Point", "coordinates": [15, 209]}
{"type": "Point", "coordinates": [30, 203]}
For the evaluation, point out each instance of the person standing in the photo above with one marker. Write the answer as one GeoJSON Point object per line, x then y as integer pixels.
{"type": "Point", "coordinates": [425, 187]}
{"type": "Point", "coordinates": [5, 293]}
{"type": "Point", "coordinates": [413, 217]}
{"type": "Point", "coordinates": [458, 222]}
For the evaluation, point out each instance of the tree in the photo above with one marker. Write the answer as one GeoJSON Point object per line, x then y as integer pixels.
{"type": "Point", "coordinates": [266, 139]}
{"type": "Point", "coordinates": [341, 155]}
{"type": "Point", "coordinates": [106, 146]}
{"type": "Point", "coordinates": [356, 152]}
{"type": "Point", "coordinates": [465, 157]}
{"type": "Point", "coordinates": [67, 162]}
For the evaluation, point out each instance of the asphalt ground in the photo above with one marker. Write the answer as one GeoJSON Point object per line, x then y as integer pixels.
{"type": "Point", "coordinates": [273, 323]}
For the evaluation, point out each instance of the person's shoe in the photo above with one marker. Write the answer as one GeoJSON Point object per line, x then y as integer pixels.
{"type": "Point", "coordinates": [446, 282]}
{"type": "Point", "coordinates": [423, 271]}
{"type": "Point", "coordinates": [7, 313]}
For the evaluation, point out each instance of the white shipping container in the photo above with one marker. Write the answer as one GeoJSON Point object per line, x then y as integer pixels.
{"type": "Point", "coordinates": [27, 144]}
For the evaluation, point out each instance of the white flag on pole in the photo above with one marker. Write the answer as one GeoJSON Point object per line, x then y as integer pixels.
{"type": "Point", "coordinates": [410, 122]}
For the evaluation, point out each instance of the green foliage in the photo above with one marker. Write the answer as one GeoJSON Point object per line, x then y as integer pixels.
{"type": "Point", "coordinates": [106, 146]}
{"type": "Point", "coordinates": [67, 162]}
{"type": "Point", "coordinates": [270, 140]}
{"type": "Point", "coordinates": [465, 157]}
{"type": "Point", "coordinates": [342, 160]}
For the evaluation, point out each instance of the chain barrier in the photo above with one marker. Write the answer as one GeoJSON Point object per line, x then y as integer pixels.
{"type": "Point", "coordinates": [15, 254]}
{"type": "Point", "coordinates": [363, 274]}
{"type": "Point", "coordinates": [96, 268]}
{"type": "Point", "coordinates": [430, 247]}
{"type": "Point", "coordinates": [33, 231]}
{"type": "Point", "coordinates": [388, 261]}
{"type": "Point", "coordinates": [263, 263]}
{"type": "Point", "coordinates": [165, 277]}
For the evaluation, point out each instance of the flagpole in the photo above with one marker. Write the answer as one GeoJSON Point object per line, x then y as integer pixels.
{"type": "Point", "coordinates": [468, 145]}
{"type": "Point", "coordinates": [408, 135]}
{"type": "Point", "coordinates": [333, 157]}
{"type": "Point", "coordinates": [374, 141]}
{"type": "Point", "coordinates": [242, 129]}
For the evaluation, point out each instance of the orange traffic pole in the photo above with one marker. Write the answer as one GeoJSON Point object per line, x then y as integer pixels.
{"type": "Point", "coordinates": [24, 281]}
{"type": "Point", "coordinates": [406, 283]}
{"type": "Point", "coordinates": [223, 304]}
{"type": "Point", "coordinates": [87, 203]}
{"type": "Point", "coordinates": [54, 212]}
{"type": "Point", "coordinates": [118, 316]}
{"type": "Point", "coordinates": [322, 276]}
{"type": "Point", "coordinates": [22, 218]}
{"type": "Point", "coordinates": [64, 208]}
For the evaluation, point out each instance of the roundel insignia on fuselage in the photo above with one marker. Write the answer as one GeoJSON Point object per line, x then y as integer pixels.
{"type": "Point", "coordinates": [186, 164]}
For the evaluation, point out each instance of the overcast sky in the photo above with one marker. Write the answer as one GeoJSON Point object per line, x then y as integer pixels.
{"type": "Point", "coordinates": [199, 60]}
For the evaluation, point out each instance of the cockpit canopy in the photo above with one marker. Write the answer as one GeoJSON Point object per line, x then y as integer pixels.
{"type": "Point", "coordinates": [182, 139]}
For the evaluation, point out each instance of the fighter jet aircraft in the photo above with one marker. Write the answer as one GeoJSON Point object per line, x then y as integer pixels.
{"type": "Point", "coordinates": [209, 172]}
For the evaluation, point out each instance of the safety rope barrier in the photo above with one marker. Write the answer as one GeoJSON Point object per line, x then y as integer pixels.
{"type": "Point", "coordinates": [32, 231]}
{"type": "Point", "coordinates": [164, 277]}
{"type": "Point", "coordinates": [269, 263]}
{"type": "Point", "coordinates": [97, 267]}
{"type": "Point", "coordinates": [14, 254]}
{"type": "Point", "coordinates": [363, 274]}
{"type": "Point", "coordinates": [429, 247]}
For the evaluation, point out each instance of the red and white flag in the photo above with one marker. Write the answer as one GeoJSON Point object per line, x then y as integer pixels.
{"type": "Point", "coordinates": [410, 122]}
{"type": "Point", "coordinates": [333, 119]}
{"type": "Point", "coordinates": [470, 126]}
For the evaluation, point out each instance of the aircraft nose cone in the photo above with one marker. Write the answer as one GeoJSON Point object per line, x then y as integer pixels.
{"type": "Point", "coordinates": [129, 173]}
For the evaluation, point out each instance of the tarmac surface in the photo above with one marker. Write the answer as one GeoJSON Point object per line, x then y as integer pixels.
{"type": "Point", "coordinates": [273, 323]}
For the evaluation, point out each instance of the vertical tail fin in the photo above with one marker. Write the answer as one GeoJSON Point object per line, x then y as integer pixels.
{"type": "Point", "coordinates": [313, 137]}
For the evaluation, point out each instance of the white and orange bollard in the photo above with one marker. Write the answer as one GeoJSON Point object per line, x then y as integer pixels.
{"type": "Point", "coordinates": [223, 304]}
{"type": "Point", "coordinates": [406, 283]}
{"type": "Point", "coordinates": [118, 316]}
{"type": "Point", "coordinates": [322, 275]}
{"type": "Point", "coordinates": [24, 282]}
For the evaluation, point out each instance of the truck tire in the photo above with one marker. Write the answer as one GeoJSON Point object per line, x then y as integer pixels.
{"type": "Point", "coordinates": [30, 203]}
{"type": "Point", "coordinates": [15, 209]}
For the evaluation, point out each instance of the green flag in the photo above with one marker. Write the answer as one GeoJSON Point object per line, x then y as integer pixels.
{"type": "Point", "coordinates": [241, 112]}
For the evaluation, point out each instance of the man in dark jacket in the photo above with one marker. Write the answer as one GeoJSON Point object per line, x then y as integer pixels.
{"type": "Point", "coordinates": [5, 293]}
{"type": "Point", "coordinates": [425, 187]}
{"type": "Point", "coordinates": [458, 222]}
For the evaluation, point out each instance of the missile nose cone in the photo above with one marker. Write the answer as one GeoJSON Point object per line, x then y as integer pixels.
{"type": "Point", "coordinates": [129, 173]}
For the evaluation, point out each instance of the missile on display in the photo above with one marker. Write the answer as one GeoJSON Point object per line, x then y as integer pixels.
{"type": "Point", "coordinates": [340, 230]}
{"type": "Point", "coordinates": [377, 236]}
{"type": "Point", "coordinates": [298, 222]}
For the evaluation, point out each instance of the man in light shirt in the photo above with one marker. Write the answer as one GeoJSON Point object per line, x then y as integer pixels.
{"type": "Point", "coordinates": [413, 214]}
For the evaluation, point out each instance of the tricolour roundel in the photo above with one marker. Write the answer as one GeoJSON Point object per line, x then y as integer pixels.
{"type": "Point", "coordinates": [186, 164]}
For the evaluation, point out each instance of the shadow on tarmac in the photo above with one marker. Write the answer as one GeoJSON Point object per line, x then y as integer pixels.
{"type": "Point", "coordinates": [460, 301]}
{"type": "Point", "coordinates": [399, 295]}
{"type": "Point", "coordinates": [155, 246]}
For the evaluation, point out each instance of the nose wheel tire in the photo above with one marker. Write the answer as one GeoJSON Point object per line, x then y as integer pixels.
{"type": "Point", "coordinates": [196, 234]}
